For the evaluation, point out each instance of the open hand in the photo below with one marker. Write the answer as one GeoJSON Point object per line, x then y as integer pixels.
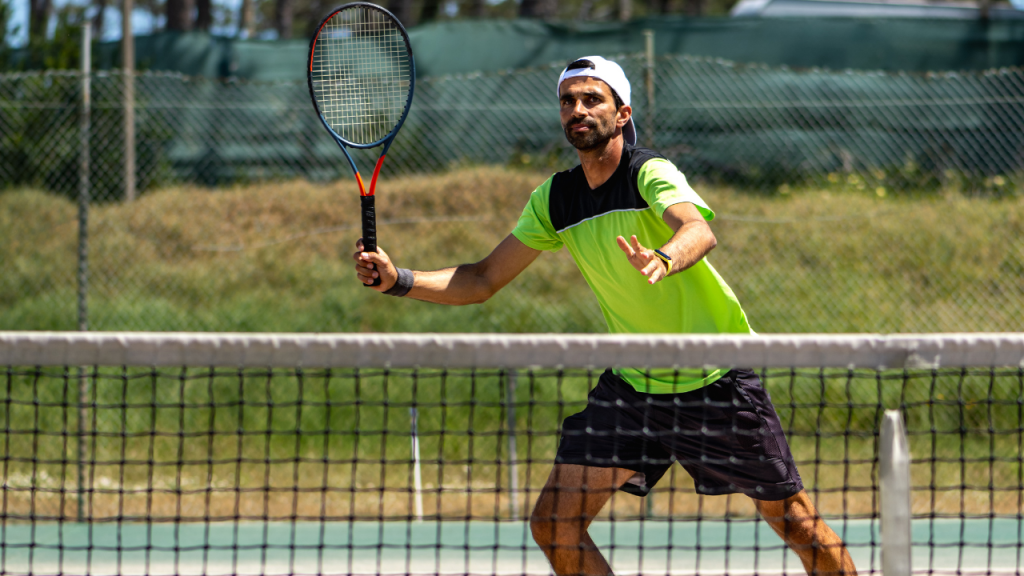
{"type": "Point", "coordinates": [643, 259]}
{"type": "Point", "coordinates": [370, 265]}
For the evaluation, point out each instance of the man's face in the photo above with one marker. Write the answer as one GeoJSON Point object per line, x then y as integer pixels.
{"type": "Point", "coordinates": [588, 112]}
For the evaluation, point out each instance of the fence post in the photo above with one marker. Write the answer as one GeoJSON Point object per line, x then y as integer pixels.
{"type": "Point", "coordinates": [649, 88]}
{"type": "Point", "coordinates": [128, 65]}
{"type": "Point", "coordinates": [83, 253]}
{"type": "Point", "coordinates": [513, 467]}
{"type": "Point", "coordinates": [894, 476]}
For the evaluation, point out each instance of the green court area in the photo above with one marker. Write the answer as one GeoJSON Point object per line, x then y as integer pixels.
{"type": "Point", "coordinates": [275, 257]}
{"type": "Point", "coordinates": [941, 546]}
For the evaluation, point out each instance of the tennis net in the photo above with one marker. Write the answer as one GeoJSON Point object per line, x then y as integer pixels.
{"type": "Point", "coordinates": [135, 453]}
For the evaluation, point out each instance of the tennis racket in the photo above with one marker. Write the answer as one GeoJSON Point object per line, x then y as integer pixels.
{"type": "Point", "coordinates": [361, 79]}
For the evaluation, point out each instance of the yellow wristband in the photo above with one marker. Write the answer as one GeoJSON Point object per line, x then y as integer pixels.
{"type": "Point", "coordinates": [666, 259]}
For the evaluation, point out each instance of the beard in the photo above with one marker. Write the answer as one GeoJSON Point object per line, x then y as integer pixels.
{"type": "Point", "coordinates": [599, 134]}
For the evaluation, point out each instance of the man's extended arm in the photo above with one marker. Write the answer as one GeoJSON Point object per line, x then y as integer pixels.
{"type": "Point", "coordinates": [692, 241]}
{"type": "Point", "coordinates": [465, 284]}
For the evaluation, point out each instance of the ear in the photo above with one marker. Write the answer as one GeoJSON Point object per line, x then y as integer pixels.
{"type": "Point", "coordinates": [623, 116]}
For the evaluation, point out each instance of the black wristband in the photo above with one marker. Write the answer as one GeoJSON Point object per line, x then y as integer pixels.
{"type": "Point", "coordinates": [402, 285]}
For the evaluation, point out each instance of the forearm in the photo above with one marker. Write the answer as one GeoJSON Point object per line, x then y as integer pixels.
{"type": "Point", "coordinates": [461, 285]}
{"type": "Point", "coordinates": [691, 242]}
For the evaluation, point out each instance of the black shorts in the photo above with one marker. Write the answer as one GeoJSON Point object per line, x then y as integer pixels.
{"type": "Point", "coordinates": [726, 435]}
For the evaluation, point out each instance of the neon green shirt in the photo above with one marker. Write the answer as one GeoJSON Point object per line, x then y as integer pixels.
{"type": "Point", "coordinates": [564, 211]}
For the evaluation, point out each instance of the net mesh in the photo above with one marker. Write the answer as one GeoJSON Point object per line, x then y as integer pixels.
{"type": "Point", "coordinates": [226, 454]}
{"type": "Point", "coordinates": [360, 72]}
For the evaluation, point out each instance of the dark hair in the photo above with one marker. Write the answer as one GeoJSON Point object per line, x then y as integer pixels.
{"type": "Point", "coordinates": [584, 63]}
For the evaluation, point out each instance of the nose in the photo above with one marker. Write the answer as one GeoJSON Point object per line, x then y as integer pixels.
{"type": "Point", "coordinates": [579, 109]}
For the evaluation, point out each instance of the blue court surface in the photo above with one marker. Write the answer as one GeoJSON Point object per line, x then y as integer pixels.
{"type": "Point", "coordinates": [944, 546]}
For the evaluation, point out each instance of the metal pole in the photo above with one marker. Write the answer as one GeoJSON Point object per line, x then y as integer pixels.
{"type": "Point", "coordinates": [894, 476]}
{"type": "Point", "coordinates": [649, 87]}
{"type": "Point", "coordinates": [83, 254]}
{"type": "Point", "coordinates": [513, 465]}
{"type": "Point", "coordinates": [128, 65]}
{"type": "Point", "coordinates": [416, 473]}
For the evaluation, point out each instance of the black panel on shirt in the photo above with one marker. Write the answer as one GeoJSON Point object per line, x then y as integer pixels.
{"type": "Point", "coordinates": [572, 201]}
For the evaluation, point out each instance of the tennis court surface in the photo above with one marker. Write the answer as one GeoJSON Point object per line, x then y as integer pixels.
{"type": "Point", "coordinates": [135, 453]}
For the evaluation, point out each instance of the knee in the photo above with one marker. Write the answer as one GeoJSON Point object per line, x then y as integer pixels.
{"type": "Point", "coordinates": [795, 519]}
{"type": "Point", "coordinates": [542, 527]}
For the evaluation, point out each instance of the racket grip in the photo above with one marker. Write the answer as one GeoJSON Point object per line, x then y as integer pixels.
{"type": "Point", "coordinates": [369, 228]}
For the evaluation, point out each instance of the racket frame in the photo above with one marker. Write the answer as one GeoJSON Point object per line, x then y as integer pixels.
{"type": "Point", "coordinates": [366, 196]}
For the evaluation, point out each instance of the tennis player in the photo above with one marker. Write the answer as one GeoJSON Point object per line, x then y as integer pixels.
{"type": "Point", "coordinates": [639, 235]}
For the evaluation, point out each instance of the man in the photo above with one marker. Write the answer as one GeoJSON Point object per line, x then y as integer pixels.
{"type": "Point", "coordinates": [720, 425]}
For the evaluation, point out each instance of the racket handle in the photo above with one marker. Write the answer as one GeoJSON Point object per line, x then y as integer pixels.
{"type": "Point", "coordinates": [369, 229]}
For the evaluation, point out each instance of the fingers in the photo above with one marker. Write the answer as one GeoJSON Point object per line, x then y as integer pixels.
{"type": "Point", "coordinates": [636, 245]}
{"type": "Point", "coordinates": [655, 271]}
{"type": "Point", "coordinates": [372, 265]}
{"type": "Point", "coordinates": [625, 246]}
{"type": "Point", "coordinates": [642, 259]}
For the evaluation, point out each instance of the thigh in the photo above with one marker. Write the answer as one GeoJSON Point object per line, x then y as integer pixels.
{"type": "Point", "coordinates": [577, 493]}
{"type": "Point", "coordinates": [616, 430]}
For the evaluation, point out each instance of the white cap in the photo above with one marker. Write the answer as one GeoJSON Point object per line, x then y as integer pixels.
{"type": "Point", "coordinates": [611, 74]}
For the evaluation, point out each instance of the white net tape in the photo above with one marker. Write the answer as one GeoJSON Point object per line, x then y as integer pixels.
{"type": "Point", "coordinates": [510, 351]}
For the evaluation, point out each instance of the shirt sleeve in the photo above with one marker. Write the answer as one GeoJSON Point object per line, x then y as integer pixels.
{"type": "Point", "coordinates": [534, 227]}
{"type": "Point", "coordinates": [662, 185]}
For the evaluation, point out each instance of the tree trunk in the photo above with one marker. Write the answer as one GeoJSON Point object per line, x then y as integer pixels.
{"type": "Point", "coordinates": [431, 8]}
{"type": "Point", "coordinates": [284, 13]}
{"type": "Point", "coordinates": [664, 6]}
{"type": "Point", "coordinates": [537, 8]}
{"type": "Point", "coordinates": [204, 16]}
{"type": "Point", "coordinates": [179, 15]}
{"type": "Point", "coordinates": [39, 17]}
{"type": "Point", "coordinates": [625, 10]}
{"type": "Point", "coordinates": [98, 21]}
{"type": "Point", "coordinates": [247, 19]}
{"type": "Point", "coordinates": [477, 9]}
{"type": "Point", "coordinates": [402, 9]}
{"type": "Point", "coordinates": [693, 7]}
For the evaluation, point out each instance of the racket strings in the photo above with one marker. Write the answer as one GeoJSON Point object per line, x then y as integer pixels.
{"type": "Point", "coordinates": [361, 74]}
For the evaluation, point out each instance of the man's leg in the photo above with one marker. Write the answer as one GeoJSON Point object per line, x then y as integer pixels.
{"type": "Point", "coordinates": [796, 520]}
{"type": "Point", "coordinates": [570, 500]}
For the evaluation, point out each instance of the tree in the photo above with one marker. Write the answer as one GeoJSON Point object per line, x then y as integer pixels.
{"type": "Point", "coordinates": [247, 19]}
{"type": "Point", "coordinates": [284, 16]}
{"type": "Point", "coordinates": [431, 8]}
{"type": "Point", "coordinates": [538, 8]}
{"type": "Point", "coordinates": [204, 15]}
{"type": "Point", "coordinates": [98, 19]}
{"type": "Point", "coordinates": [5, 50]}
{"type": "Point", "coordinates": [402, 9]}
{"type": "Point", "coordinates": [179, 15]}
{"type": "Point", "coordinates": [625, 10]}
{"type": "Point", "coordinates": [477, 9]}
{"type": "Point", "coordinates": [39, 17]}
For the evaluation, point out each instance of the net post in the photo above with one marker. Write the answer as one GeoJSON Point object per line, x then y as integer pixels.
{"type": "Point", "coordinates": [894, 476]}
{"type": "Point", "coordinates": [416, 472]}
{"type": "Point", "coordinates": [85, 129]}
{"type": "Point", "coordinates": [513, 468]}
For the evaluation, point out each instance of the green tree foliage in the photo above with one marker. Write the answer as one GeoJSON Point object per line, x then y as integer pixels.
{"type": "Point", "coordinates": [5, 17]}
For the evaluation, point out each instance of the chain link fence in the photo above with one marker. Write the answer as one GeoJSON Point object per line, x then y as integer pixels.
{"type": "Point", "coordinates": [750, 138]}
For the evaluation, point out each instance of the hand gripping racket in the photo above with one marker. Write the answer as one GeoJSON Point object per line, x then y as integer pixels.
{"type": "Point", "coordinates": [361, 78]}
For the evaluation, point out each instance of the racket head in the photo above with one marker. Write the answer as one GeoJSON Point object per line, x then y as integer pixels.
{"type": "Point", "coordinates": [361, 74]}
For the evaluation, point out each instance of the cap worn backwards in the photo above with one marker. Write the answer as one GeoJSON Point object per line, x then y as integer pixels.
{"type": "Point", "coordinates": [611, 74]}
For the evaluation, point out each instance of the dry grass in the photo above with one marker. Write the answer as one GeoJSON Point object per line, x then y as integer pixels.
{"type": "Point", "coordinates": [274, 257]}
